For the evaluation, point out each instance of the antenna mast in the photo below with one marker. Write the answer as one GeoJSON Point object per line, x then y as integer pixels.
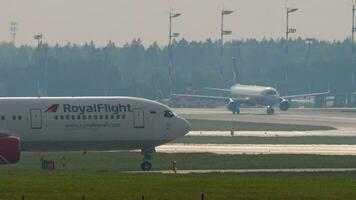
{"type": "Point", "coordinates": [13, 31]}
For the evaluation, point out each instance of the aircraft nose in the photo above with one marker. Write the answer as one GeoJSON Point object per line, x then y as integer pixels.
{"type": "Point", "coordinates": [185, 127]}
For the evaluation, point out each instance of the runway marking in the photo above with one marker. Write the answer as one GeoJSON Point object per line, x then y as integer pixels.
{"type": "Point", "coordinates": [329, 117]}
{"type": "Point", "coordinates": [335, 133]}
{"type": "Point", "coordinates": [254, 149]}
{"type": "Point", "coordinates": [206, 171]}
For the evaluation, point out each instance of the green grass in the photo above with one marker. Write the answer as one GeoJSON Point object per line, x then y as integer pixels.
{"type": "Point", "coordinates": [216, 125]}
{"type": "Point", "coordinates": [99, 175]}
{"type": "Point", "coordinates": [129, 161]}
{"type": "Point", "coordinates": [265, 140]}
{"type": "Point", "coordinates": [60, 185]}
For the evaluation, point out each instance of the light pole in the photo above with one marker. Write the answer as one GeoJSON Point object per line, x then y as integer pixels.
{"type": "Point", "coordinates": [42, 59]}
{"type": "Point", "coordinates": [288, 29]}
{"type": "Point", "coordinates": [170, 54]}
{"type": "Point", "coordinates": [353, 30]}
{"type": "Point", "coordinates": [106, 52]}
{"type": "Point", "coordinates": [353, 51]}
{"type": "Point", "coordinates": [309, 42]}
{"type": "Point", "coordinates": [38, 38]}
{"type": "Point", "coordinates": [13, 30]}
{"type": "Point", "coordinates": [223, 32]}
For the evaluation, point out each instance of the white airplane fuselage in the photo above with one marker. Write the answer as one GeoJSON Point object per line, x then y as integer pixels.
{"type": "Point", "coordinates": [88, 123]}
{"type": "Point", "coordinates": [256, 95]}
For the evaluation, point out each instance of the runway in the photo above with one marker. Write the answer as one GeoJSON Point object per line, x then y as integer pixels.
{"type": "Point", "coordinates": [336, 118]}
{"type": "Point", "coordinates": [344, 120]}
{"type": "Point", "coordinates": [254, 149]}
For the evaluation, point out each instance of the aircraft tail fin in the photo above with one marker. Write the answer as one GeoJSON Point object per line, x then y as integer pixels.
{"type": "Point", "coordinates": [235, 71]}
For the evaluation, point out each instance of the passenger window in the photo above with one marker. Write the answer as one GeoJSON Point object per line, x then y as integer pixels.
{"type": "Point", "coordinates": [73, 117]}
{"type": "Point", "coordinates": [168, 114]}
{"type": "Point", "coordinates": [78, 117]}
{"type": "Point", "coordinates": [19, 117]}
{"type": "Point", "coordinates": [2, 117]}
{"type": "Point", "coordinates": [123, 116]}
{"type": "Point", "coordinates": [95, 116]}
{"type": "Point", "coordinates": [62, 117]}
{"type": "Point", "coordinates": [13, 117]}
{"type": "Point", "coordinates": [84, 117]}
{"type": "Point", "coordinates": [117, 116]}
{"type": "Point", "coordinates": [67, 117]}
{"type": "Point", "coordinates": [106, 116]}
{"type": "Point", "coordinates": [100, 116]}
{"type": "Point", "coordinates": [112, 117]}
{"type": "Point", "coordinates": [89, 116]}
{"type": "Point", "coordinates": [56, 117]}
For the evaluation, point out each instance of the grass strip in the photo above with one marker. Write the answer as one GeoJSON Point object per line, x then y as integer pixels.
{"type": "Point", "coordinates": [129, 161]}
{"type": "Point", "coordinates": [59, 185]}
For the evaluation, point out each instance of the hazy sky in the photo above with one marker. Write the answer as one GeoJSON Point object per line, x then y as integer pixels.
{"type": "Point", "coordinates": [79, 21]}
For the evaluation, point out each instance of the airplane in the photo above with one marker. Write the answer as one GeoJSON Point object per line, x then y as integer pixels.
{"type": "Point", "coordinates": [251, 95]}
{"type": "Point", "coordinates": [85, 123]}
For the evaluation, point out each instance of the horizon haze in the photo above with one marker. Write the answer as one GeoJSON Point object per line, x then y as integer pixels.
{"type": "Point", "coordinates": [122, 21]}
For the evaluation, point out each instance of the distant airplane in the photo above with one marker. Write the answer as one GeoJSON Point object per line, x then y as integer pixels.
{"type": "Point", "coordinates": [85, 123]}
{"type": "Point", "coordinates": [252, 95]}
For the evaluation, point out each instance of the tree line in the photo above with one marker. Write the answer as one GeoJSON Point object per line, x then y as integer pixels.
{"type": "Point", "coordinates": [135, 70]}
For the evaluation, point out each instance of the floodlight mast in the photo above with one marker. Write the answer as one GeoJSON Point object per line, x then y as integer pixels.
{"type": "Point", "coordinates": [13, 30]}
{"type": "Point", "coordinates": [223, 32]}
{"type": "Point", "coordinates": [38, 37]}
{"type": "Point", "coordinates": [289, 30]}
{"type": "Point", "coordinates": [353, 50]}
{"type": "Point", "coordinates": [42, 61]}
{"type": "Point", "coordinates": [353, 29]}
{"type": "Point", "coordinates": [170, 54]}
{"type": "Point", "coordinates": [106, 76]}
{"type": "Point", "coordinates": [309, 42]}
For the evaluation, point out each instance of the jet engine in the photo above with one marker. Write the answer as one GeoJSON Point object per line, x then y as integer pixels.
{"type": "Point", "coordinates": [284, 105]}
{"type": "Point", "coordinates": [231, 106]}
{"type": "Point", "coordinates": [9, 150]}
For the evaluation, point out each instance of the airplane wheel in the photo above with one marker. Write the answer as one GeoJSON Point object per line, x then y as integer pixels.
{"type": "Point", "coordinates": [270, 110]}
{"type": "Point", "coordinates": [146, 166]}
{"type": "Point", "coordinates": [237, 111]}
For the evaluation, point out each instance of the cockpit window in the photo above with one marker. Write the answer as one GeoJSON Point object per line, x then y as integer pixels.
{"type": "Point", "coordinates": [270, 92]}
{"type": "Point", "coordinates": [168, 114]}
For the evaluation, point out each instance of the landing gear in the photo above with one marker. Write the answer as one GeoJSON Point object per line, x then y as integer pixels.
{"type": "Point", "coordinates": [233, 107]}
{"type": "Point", "coordinates": [236, 111]}
{"type": "Point", "coordinates": [270, 110]}
{"type": "Point", "coordinates": [147, 156]}
{"type": "Point", "coordinates": [146, 166]}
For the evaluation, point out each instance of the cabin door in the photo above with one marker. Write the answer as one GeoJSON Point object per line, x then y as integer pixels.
{"type": "Point", "coordinates": [36, 118]}
{"type": "Point", "coordinates": [139, 118]}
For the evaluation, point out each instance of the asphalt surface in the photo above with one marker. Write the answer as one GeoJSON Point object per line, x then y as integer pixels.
{"type": "Point", "coordinates": [336, 118]}
{"type": "Point", "coordinates": [343, 119]}
{"type": "Point", "coordinates": [257, 149]}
